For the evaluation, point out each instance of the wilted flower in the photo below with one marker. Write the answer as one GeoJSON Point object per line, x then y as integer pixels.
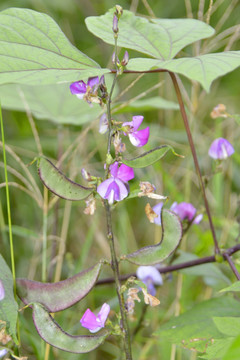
{"type": "Point", "coordinates": [137, 137]}
{"type": "Point", "coordinates": [132, 296]}
{"type": "Point", "coordinates": [87, 91]}
{"type": "Point", "coordinates": [158, 209]}
{"type": "Point", "coordinates": [148, 189]}
{"type": "Point", "coordinates": [116, 188]}
{"type": "Point", "coordinates": [94, 323]}
{"type": "Point", "coordinates": [150, 276]}
{"type": "Point", "coordinates": [186, 211]}
{"type": "Point", "coordinates": [220, 149]}
{"type": "Point", "coordinates": [90, 206]}
{"type": "Point", "coordinates": [103, 124]}
{"type": "Point", "coordinates": [219, 111]}
{"type": "Point", "coordinates": [117, 143]}
{"type": "Point", "coordinates": [2, 291]}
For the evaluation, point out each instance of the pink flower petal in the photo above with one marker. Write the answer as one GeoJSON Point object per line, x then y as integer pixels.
{"type": "Point", "coordinates": [158, 209]}
{"type": "Point", "coordinates": [94, 323]}
{"type": "Point", "coordinates": [136, 122]}
{"type": "Point", "coordinates": [103, 313]}
{"type": "Point", "coordinates": [114, 169]}
{"type": "Point", "coordinates": [93, 81]}
{"type": "Point", "coordinates": [125, 173]}
{"type": "Point", "coordinates": [139, 138]}
{"type": "Point", "coordinates": [78, 88]}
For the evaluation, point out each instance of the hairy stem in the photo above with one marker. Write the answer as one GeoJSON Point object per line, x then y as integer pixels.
{"type": "Point", "coordinates": [195, 159]}
{"type": "Point", "coordinates": [115, 268]}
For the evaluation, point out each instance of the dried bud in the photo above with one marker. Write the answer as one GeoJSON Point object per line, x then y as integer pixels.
{"type": "Point", "coordinates": [119, 11]}
{"type": "Point", "coordinates": [151, 215]}
{"type": "Point", "coordinates": [118, 145]}
{"type": "Point", "coordinates": [125, 59]}
{"type": "Point", "coordinates": [90, 206]}
{"type": "Point", "coordinates": [149, 299]}
{"type": "Point", "coordinates": [219, 111]}
{"type": "Point", "coordinates": [132, 297]}
{"type": "Point", "coordinates": [148, 189]}
{"type": "Point", "coordinates": [115, 59]}
{"type": "Point", "coordinates": [115, 24]}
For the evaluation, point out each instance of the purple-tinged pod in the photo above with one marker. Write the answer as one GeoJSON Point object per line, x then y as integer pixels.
{"type": "Point", "coordinates": [53, 334]}
{"type": "Point", "coordinates": [60, 295]}
{"type": "Point", "coordinates": [59, 184]}
{"type": "Point", "coordinates": [171, 236]}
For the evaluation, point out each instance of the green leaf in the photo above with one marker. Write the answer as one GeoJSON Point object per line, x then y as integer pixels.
{"type": "Point", "coordinates": [159, 38]}
{"type": "Point", "coordinates": [51, 102]}
{"type": "Point", "coordinates": [204, 68]}
{"type": "Point", "coordinates": [60, 295]}
{"type": "Point", "coordinates": [59, 184]}
{"type": "Point", "coordinates": [233, 351]}
{"type": "Point", "coordinates": [234, 287]}
{"type": "Point", "coordinates": [8, 305]}
{"type": "Point", "coordinates": [217, 349]}
{"type": "Point", "coordinates": [171, 236]}
{"type": "Point", "coordinates": [229, 326]}
{"type": "Point", "coordinates": [197, 323]}
{"type": "Point", "coordinates": [148, 158]}
{"type": "Point", "coordinates": [34, 50]}
{"type": "Point", "coordinates": [149, 104]}
{"type": "Point", "coordinates": [53, 334]}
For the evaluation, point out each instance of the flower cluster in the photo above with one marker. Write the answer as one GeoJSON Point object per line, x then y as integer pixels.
{"type": "Point", "coordinates": [89, 91]}
{"type": "Point", "coordinates": [95, 322]}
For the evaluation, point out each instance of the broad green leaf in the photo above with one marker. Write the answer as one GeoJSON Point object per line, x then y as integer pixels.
{"type": "Point", "coordinates": [229, 326]}
{"type": "Point", "coordinates": [236, 117]}
{"type": "Point", "coordinates": [51, 102]}
{"type": "Point", "coordinates": [171, 236]}
{"type": "Point", "coordinates": [233, 351]}
{"type": "Point", "coordinates": [59, 184]}
{"type": "Point", "coordinates": [233, 287]}
{"type": "Point", "coordinates": [204, 68]}
{"type": "Point", "coordinates": [149, 104]}
{"type": "Point", "coordinates": [159, 38]}
{"type": "Point", "coordinates": [198, 323]}
{"type": "Point", "coordinates": [34, 50]}
{"type": "Point", "coordinates": [147, 158]}
{"type": "Point", "coordinates": [60, 295]}
{"type": "Point", "coordinates": [53, 334]}
{"type": "Point", "coordinates": [216, 349]}
{"type": "Point", "coordinates": [8, 305]}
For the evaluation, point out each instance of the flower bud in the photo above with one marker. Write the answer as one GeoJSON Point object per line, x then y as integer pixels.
{"type": "Point", "coordinates": [119, 11]}
{"type": "Point", "coordinates": [125, 59]}
{"type": "Point", "coordinates": [115, 24]}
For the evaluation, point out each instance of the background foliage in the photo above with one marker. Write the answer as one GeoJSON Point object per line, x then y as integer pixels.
{"type": "Point", "coordinates": [71, 128]}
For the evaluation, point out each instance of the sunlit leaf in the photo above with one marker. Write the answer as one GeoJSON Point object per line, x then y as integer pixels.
{"type": "Point", "coordinates": [234, 287]}
{"type": "Point", "coordinates": [233, 350]}
{"type": "Point", "coordinates": [60, 295]}
{"type": "Point", "coordinates": [171, 236]}
{"type": "Point", "coordinates": [53, 334]}
{"type": "Point", "coordinates": [8, 305]}
{"type": "Point", "coordinates": [59, 184]}
{"type": "Point", "coordinates": [50, 102]}
{"type": "Point", "coordinates": [229, 326]}
{"type": "Point", "coordinates": [147, 158]}
{"type": "Point", "coordinates": [34, 50]}
{"type": "Point", "coordinates": [159, 38]}
{"type": "Point", "coordinates": [204, 68]}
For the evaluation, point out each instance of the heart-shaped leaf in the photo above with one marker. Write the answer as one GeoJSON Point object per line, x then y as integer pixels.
{"type": "Point", "coordinates": [8, 305]}
{"type": "Point", "coordinates": [60, 295]}
{"type": "Point", "coordinates": [59, 184]}
{"type": "Point", "coordinates": [34, 50]}
{"type": "Point", "coordinates": [53, 334]}
{"type": "Point", "coordinates": [148, 158]}
{"type": "Point", "coordinates": [171, 236]}
{"type": "Point", "coordinates": [51, 102]}
{"type": "Point", "coordinates": [159, 38]}
{"type": "Point", "coordinates": [204, 68]}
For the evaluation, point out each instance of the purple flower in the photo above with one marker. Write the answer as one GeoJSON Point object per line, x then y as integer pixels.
{"type": "Point", "coordinates": [150, 276]}
{"type": "Point", "coordinates": [3, 352]}
{"type": "Point", "coordinates": [103, 124]}
{"type": "Point", "coordinates": [116, 188]}
{"type": "Point", "coordinates": [137, 137]}
{"type": "Point", "coordinates": [186, 211]}
{"type": "Point", "coordinates": [94, 323]}
{"type": "Point", "coordinates": [220, 149]}
{"type": "Point", "coordinates": [2, 291]}
{"type": "Point", "coordinates": [86, 91]}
